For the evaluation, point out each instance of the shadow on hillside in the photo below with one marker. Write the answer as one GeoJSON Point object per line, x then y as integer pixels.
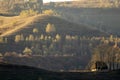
{"type": "Point", "coordinates": [15, 72]}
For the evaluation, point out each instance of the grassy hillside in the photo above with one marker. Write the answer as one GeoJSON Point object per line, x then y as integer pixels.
{"type": "Point", "coordinates": [88, 4]}
{"type": "Point", "coordinates": [16, 25]}
{"type": "Point", "coordinates": [19, 72]}
{"type": "Point", "coordinates": [9, 25]}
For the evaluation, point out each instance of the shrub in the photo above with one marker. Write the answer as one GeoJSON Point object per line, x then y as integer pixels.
{"type": "Point", "coordinates": [27, 51]}
{"type": "Point", "coordinates": [27, 13]}
{"type": "Point", "coordinates": [50, 28]}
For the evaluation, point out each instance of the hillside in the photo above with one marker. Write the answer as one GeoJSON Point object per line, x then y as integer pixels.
{"type": "Point", "coordinates": [66, 42]}
{"type": "Point", "coordinates": [16, 72]}
{"type": "Point", "coordinates": [106, 20]}
{"type": "Point", "coordinates": [88, 4]}
{"type": "Point", "coordinates": [14, 7]}
{"type": "Point", "coordinates": [40, 22]}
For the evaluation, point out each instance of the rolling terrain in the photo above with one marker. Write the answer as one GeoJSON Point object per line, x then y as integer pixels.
{"type": "Point", "coordinates": [61, 50]}
{"type": "Point", "coordinates": [40, 22]}
{"type": "Point", "coordinates": [105, 19]}
{"type": "Point", "coordinates": [16, 72]}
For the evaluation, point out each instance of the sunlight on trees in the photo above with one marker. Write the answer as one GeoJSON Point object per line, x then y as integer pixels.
{"type": "Point", "coordinates": [35, 30]}
{"type": "Point", "coordinates": [58, 37]}
{"type": "Point", "coordinates": [17, 38]}
{"type": "Point", "coordinates": [107, 54]}
{"type": "Point", "coordinates": [50, 28]}
{"type": "Point", "coordinates": [27, 51]}
{"type": "Point", "coordinates": [41, 37]}
{"type": "Point", "coordinates": [21, 37]}
{"type": "Point", "coordinates": [68, 37]}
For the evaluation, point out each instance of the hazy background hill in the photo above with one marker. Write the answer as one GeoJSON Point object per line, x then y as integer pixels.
{"type": "Point", "coordinates": [14, 7]}
{"type": "Point", "coordinates": [91, 13]}
{"type": "Point", "coordinates": [62, 27]}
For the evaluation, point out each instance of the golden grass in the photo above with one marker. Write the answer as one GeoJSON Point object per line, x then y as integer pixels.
{"type": "Point", "coordinates": [16, 23]}
{"type": "Point", "coordinates": [13, 24]}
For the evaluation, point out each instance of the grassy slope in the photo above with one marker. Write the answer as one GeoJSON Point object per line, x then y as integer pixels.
{"type": "Point", "coordinates": [17, 72]}
{"type": "Point", "coordinates": [40, 22]}
{"type": "Point", "coordinates": [55, 63]}
{"type": "Point", "coordinates": [14, 24]}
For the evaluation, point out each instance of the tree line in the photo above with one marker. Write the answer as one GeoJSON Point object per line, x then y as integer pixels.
{"type": "Point", "coordinates": [17, 6]}
{"type": "Point", "coordinates": [52, 43]}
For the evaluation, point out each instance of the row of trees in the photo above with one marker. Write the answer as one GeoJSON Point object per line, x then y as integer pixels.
{"type": "Point", "coordinates": [51, 43]}
{"type": "Point", "coordinates": [19, 5]}
{"type": "Point", "coordinates": [90, 3]}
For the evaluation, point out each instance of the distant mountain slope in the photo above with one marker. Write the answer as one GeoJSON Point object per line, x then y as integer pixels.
{"type": "Point", "coordinates": [62, 27]}
{"type": "Point", "coordinates": [88, 3]}
{"type": "Point", "coordinates": [104, 19]}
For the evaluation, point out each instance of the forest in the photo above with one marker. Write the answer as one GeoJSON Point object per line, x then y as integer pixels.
{"type": "Point", "coordinates": [54, 44]}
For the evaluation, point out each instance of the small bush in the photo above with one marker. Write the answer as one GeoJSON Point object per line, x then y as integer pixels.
{"type": "Point", "coordinates": [48, 12]}
{"type": "Point", "coordinates": [27, 13]}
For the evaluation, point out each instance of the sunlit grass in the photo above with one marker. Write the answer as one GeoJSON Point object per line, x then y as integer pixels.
{"type": "Point", "coordinates": [12, 24]}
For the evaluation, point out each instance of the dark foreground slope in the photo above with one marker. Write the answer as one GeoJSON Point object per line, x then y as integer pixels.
{"type": "Point", "coordinates": [15, 72]}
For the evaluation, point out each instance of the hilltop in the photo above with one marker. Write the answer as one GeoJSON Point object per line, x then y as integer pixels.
{"type": "Point", "coordinates": [13, 24]}
{"type": "Point", "coordinates": [88, 4]}
{"type": "Point", "coordinates": [64, 40]}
